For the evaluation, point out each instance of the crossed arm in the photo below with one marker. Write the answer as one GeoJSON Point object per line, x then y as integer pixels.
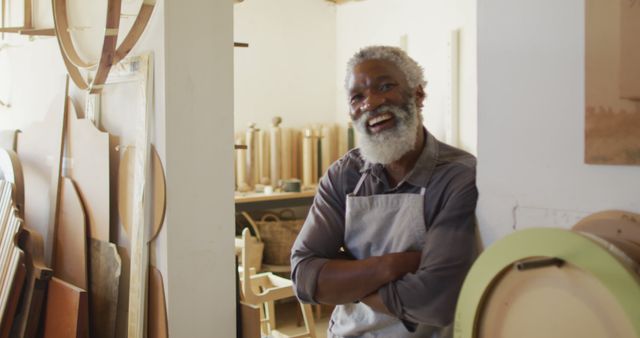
{"type": "Point", "coordinates": [364, 278]}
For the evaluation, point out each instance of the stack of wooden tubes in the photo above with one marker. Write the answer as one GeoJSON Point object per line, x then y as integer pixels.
{"type": "Point", "coordinates": [276, 154]}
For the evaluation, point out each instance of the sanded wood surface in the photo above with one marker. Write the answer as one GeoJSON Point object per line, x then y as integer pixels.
{"type": "Point", "coordinates": [87, 153]}
{"type": "Point", "coordinates": [71, 257]}
{"type": "Point", "coordinates": [27, 320]}
{"type": "Point", "coordinates": [39, 150]}
{"type": "Point", "coordinates": [106, 268]}
{"type": "Point", "coordinates": [67, 311]}
{"type": "Point", "coordinates": [157, 324]}
{"type": "Point", "coordinates": [126, 187]}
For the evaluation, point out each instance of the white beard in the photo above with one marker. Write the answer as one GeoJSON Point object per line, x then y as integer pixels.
{"type": "Point", "coordinates": [389, 145]}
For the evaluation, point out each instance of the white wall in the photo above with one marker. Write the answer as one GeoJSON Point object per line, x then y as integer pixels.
{"type": "Point", "coordinates": [288, 69]}
{"type": "Point", "coordinates": [531, 170]}
{"type": "Point", "coordinates": [426, 25]}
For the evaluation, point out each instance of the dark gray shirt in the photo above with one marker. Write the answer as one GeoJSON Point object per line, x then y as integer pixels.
{"type": "Point", "coordinates": [429, 296]}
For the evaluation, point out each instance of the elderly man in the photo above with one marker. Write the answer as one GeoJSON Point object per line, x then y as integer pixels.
{"type": "Point", "coordinates": [390, 235]}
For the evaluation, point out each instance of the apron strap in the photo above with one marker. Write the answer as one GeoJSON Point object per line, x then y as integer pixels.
{"type": "Point", "coordinates": [357, 189]}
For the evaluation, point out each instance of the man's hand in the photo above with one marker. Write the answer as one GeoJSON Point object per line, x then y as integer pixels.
{"type": "Point", "coordinates": [346, 281]}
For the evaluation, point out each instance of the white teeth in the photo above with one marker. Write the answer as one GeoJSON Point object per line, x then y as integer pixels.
{"type": "Point", "coordinates": [379, 119]}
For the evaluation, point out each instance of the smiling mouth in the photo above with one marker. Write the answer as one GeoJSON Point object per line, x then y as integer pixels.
{"type": "Point", "coordinates": [381, 122]}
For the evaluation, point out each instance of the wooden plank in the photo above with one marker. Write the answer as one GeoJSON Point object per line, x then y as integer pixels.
{"type": "Point", "coordinates": [106, 268]}
{"type": "Point", "coordinates": [39, 150]}
{"type": "Point", "coordinates": [70, 257]}
{"type": "Point", "coordinates": [134, 34]}
{"type": "Point", "coordinates": [87, 154]}
{"type": "Point", "coordinates": [140, 225]}
{"type": "Point", "coordinates": [67, 311]}
{"type": "Point", "coordinates": [157, 309]}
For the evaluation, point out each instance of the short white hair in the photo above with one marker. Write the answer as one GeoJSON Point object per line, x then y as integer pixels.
{"type": "Point", "coordinates": [412, 71]}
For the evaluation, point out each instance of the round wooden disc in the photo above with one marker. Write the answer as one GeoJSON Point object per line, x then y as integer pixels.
{"type": "Point", "coordinates": [551, 302]}
{"type": "Point", "coordinates": [496, 301]}
{"type": "Point", "coordinates": [125, 191]}
{"type": "Point", "coordinates": [621, 225]}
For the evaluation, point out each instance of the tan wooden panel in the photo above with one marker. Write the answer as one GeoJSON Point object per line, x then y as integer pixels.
{"type": "Point", "coordinates": [630, 50]}
{"type": "Point", "coordinates": [70, 255]}
{"type": "Point", "coordinates": [67, 311]}
{"type": "Point", "coordinates": [87, 156]}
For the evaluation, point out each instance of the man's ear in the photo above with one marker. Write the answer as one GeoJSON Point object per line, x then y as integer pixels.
{"type": "Point", "coordinates": [420, 96]}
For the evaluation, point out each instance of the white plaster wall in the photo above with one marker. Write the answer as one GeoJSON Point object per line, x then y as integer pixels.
{"type": "Point", "coordinates": [531, 171]}
{"type": "Point", "coordinates": [199, 137]}
{"type": "Point", "coordinates": [426, 25]}
{"type": "Point", "coordinates": [289, 68]}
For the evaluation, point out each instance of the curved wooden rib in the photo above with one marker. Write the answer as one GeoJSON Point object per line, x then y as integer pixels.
{"type": "Point", "coordinates": [111, 52]}
{"type": "Point", "coordinates": [136, 30]}
{"type": "Point", "coordinates": [71, 57]}
{"type": "Point", "coordinates": [64, 38]}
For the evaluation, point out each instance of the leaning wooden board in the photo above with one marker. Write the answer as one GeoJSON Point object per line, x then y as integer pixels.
{"type": "Point", "coordinates": [39, 149]}
{"type": "Point", "coordinates": [70, 249]}
{"type": "Point", "coordinates": [67, 311]}
{"type": "Point", "coordinates": [87, 157]}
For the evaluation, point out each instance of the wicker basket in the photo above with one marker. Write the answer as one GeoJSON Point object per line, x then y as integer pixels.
{"type": "Point", "coordinates": [278, 232]}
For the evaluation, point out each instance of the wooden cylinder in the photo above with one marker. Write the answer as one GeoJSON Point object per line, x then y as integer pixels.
{"type": "Point", "coordinates": [253, 176]}
{"type": "Point", "coordinates": [307, 158]}
{"type": "Point", "coordinates": [241, 166]}
{"type": "Point", "coordinates": [287, 154]}
{"type": "Point", "coordinates": [276, 151]}
{"type": "Point", "coordinates": [263, 157]}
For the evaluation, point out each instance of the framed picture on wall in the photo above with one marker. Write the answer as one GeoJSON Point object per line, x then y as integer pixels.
{"type": "Point", "coordinates": [612, 76]}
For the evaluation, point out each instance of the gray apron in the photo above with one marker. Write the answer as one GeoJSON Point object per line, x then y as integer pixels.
{"type": "Point", "coordinates": [378, 225]}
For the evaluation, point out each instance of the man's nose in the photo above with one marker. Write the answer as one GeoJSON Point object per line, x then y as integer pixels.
{"type": "Point", "coordinates": [372, 102]}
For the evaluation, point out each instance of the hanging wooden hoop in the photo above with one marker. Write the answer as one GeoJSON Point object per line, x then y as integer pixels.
{"type": "Point", "coordinates": [111, 53]}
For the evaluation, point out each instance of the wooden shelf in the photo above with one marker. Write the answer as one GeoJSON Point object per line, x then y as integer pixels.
{"type": "Point", "coordinates": [257, 201]}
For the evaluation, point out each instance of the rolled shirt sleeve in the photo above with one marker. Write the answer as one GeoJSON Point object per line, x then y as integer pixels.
{"type": "Point", "coordinates": [429, 296]}
{"type": "Point", "coordinates": [321, 236]}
